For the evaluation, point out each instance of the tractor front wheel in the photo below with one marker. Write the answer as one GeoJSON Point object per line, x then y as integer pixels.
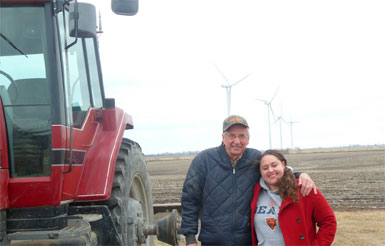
{"type": "Point", "coordinates": [131, 198]}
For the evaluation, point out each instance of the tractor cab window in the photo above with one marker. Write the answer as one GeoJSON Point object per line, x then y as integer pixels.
{"type": "Point", "coordinates": [25, 89]}
{"type": "Point", "coordinates": [94, 74]}
{"type": "Point", "coordinates": [81, 68]}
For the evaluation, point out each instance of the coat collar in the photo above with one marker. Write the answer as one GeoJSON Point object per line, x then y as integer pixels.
{"type": "Point", "coordinates": [226, 160]}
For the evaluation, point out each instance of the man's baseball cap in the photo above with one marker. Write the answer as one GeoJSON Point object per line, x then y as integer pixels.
{"type": "Point", "coordinates": [234, 120]}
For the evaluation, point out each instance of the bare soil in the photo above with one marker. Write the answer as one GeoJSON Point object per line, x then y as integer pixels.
{"type": "Point", "coordinates": [350, 179]}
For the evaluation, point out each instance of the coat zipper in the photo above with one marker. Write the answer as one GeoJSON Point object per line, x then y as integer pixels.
{"type": "Point", "coordinates": [234, 202]}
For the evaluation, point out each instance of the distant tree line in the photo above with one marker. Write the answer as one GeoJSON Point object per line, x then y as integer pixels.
{"type": "Point", "coordinates": [190, 153]}
{"type": "Point", "coordinates": [185, 153]}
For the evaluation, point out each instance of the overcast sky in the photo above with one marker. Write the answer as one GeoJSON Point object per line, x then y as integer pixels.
{"type": "Point", "coordinates": [326, 57]}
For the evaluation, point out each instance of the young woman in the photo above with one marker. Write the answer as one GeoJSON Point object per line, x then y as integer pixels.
{"type": "Point", "coordinates": [280, 215]}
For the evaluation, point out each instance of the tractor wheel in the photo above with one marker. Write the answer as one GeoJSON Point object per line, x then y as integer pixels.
{"type": "Point", "coordinates": [131, 198]}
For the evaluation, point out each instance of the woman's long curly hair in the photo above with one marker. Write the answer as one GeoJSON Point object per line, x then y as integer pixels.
{"type": "Point", "coordinates": [287, 184]}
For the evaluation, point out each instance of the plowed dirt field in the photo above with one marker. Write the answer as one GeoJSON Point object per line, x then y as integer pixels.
{"type": "Point", "coordinates": [350, 179]}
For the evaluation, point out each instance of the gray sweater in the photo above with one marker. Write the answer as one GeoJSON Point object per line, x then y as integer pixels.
{"type": "Point", "coordinates": [266, 222]}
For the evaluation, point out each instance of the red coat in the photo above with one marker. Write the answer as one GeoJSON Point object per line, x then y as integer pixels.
{"type": "Point", "coordinates": [298, 220]}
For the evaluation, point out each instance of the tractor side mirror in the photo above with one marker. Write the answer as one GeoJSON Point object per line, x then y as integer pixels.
{"type": "Point", "coordinates": [125, 7]}
{"type": "Point", "coordinates": [82, 20]}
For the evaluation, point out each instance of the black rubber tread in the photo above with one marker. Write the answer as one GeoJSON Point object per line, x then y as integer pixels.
{"type": "Point", "coordinates": [130, 163]}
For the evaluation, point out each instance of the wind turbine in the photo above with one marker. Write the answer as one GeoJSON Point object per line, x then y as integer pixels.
{"type": "Point", "coordinates": [290, 123]}
{"type": "Point", "coordinates": [280, 119]}
{"type": "Point", "coordinates": [269, 109]}
{"type": "Point", "coordinates": [228, 88]}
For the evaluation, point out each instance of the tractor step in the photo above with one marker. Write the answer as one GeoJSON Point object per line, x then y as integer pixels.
{"type": "Point", "coordinates": [78, 229]}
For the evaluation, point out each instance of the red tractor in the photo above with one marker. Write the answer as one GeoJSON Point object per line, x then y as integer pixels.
{"type": "Point", "coordinates": [67, 175]}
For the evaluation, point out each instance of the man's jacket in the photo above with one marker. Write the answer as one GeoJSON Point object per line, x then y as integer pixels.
{"type": "Point", "coordinates": [221, 195]}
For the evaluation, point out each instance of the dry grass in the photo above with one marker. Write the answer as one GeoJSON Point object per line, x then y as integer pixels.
{"type": "Point", "coordinates": [360, 228]}
{"type": "Point", "coordinates": [355, 228]}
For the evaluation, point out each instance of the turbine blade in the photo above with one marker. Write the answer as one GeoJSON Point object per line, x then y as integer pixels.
{"type": "Point", "coordinates": [274, 94]}
{"type": "Point", "coordinates": [241, 80]}
{"type": "Point", "coordinates": [221, 73]}
{"type": "Point", "coordinates": [278, 119]}
{"type": "Point", "coordinates": [272, 112]}
{"type": "Point", "coordinates": [261, 100]}
{"type": "Point", "coordinates": [284, 120]}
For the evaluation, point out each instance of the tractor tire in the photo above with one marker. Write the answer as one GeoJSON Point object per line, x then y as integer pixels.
{"type": "Point", "coordinates": [131, 197]}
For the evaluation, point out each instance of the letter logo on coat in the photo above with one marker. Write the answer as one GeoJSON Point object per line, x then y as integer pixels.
{"type": "Point", "coordinates": [271, 222]}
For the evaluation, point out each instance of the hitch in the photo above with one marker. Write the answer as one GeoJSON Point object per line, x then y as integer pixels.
{"type": "Point", "coordinates": [167, 229]}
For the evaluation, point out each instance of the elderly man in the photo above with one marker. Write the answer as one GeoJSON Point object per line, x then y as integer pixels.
{"type": "Point", "coordinates": [219, 187]}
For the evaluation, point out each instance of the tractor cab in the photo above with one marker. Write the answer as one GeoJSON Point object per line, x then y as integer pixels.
{"type": "Point", "coordinates": [25, 89]}
{"type": "Point", "coordinates": [50, 81]}
{"type": "Point", "coordinates": [67, 174]}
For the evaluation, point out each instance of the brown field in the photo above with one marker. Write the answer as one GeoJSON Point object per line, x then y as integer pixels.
{"type": "Point", "coordinates": [352, 180]}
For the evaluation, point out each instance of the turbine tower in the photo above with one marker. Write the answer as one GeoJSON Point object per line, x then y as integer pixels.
{"type": "Point", "coordinates": [280, 119]}
{"type": "Point", "coordinates": [228, 87]}
{"type": "Point", "coordinates": [290, 123]}
{"type": "Point", "coordinates": [269, 110]}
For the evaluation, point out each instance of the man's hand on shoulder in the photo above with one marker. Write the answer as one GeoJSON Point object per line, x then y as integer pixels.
{"type": "Point", "coordinates": [306, 184]}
